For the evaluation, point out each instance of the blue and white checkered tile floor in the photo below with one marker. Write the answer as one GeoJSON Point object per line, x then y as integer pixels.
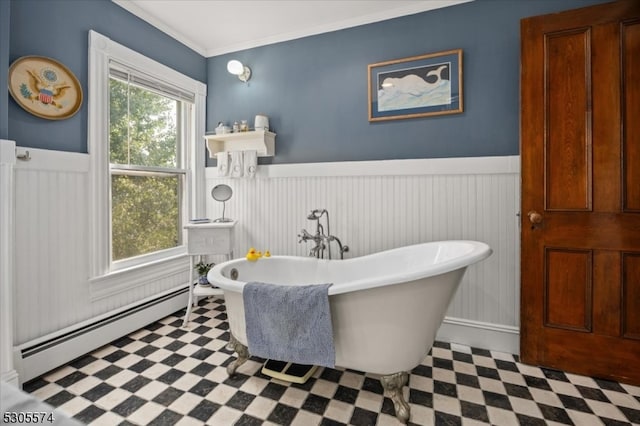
{"type": "Point", "coordinates": [165, 375]}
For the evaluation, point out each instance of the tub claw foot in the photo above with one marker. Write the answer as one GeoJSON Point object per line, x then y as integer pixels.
{"type": "Point", "coordinates": [243, 355]}
{"type": "Point", "coordinates": [393, 384]}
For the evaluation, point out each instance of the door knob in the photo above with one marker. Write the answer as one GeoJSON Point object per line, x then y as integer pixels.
{"type": "Point", "coordinates": [534, 217]}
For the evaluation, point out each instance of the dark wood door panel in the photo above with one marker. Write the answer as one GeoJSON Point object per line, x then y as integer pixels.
{"type": "Point", "coordinates": [631, 295]}
{"type": "Point", "coordinates": [631, 101]}
{"type": "Point", "coordinates": [567, 120]}
{"type": "Point", "coordinates": [604, 231]}
{"type": "Point", "coordinates": [568, 283]}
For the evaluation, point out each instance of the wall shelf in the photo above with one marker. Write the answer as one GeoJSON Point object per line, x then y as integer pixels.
{"type": "Point", "coordinates": [262, 141]}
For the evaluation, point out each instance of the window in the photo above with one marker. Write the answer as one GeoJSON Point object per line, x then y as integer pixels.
{"type": "Point", "coordinates": [146, 164]}
{"type": "Point", "coordinates": [146, 157]}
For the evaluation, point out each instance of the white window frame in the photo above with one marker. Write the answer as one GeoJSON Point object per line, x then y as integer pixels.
{"type": "Point", "coordinates": [102, 50]}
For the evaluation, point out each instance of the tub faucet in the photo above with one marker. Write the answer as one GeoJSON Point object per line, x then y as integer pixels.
{"type": "Point", "coordinates": [319, 246]}
{"type": "Point", "coordinates": [322, 241]}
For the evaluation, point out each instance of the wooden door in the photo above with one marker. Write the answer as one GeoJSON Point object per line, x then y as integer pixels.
{"type": "Point", "coordinates": [580, 149]}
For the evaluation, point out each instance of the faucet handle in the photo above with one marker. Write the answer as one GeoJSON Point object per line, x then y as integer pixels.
{"type": "Point", "coordinates": [303, 235]}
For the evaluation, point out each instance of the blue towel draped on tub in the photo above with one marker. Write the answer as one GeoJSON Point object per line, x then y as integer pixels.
{"type": "Point", "coordinates": [289, 323]}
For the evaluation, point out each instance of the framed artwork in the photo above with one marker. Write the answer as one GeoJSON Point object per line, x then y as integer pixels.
{"type": "Point", "coordinates": [44, 87]}
{"type": "Point", "coordinates": [418, 86]}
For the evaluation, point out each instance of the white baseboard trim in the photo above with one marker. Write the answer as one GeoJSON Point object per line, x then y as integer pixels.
{"type": "Point", "coordinates": [10, 377]}
{"type": "Point", "coordinates": [493, 337]}
{"type": "Point", "coordinates": [36, 358]}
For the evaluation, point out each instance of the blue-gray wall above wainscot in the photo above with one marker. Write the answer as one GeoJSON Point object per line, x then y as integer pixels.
{"type": "Point", "coordinates": [314, 89]}
{"type": "Point", "coordinates": [59, 29]}
{"type": "Point", "coordinates": [5, 13]}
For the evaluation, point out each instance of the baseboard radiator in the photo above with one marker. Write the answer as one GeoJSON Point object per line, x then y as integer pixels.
{"type": "Point", "coordinates": [35, 358]}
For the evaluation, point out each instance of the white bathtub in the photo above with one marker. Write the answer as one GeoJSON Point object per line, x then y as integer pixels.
{"type": "Point", "coordinates": [385, 307]}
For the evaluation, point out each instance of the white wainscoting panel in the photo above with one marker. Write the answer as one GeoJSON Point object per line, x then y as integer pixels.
{"type": "Point", "coordinates": [378, 205]}
{"type": "Point", "coordinates": [53, 294]}
{"type": "Point", "coordinates": [373, 206]}
{"type": "Point", "coordinates": [7, 282]}
{"type": "Point", "coordinates": [51, 248]}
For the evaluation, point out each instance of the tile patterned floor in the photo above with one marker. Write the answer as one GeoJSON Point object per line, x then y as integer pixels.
{"type": "Point", "coordinates": [165, 375]}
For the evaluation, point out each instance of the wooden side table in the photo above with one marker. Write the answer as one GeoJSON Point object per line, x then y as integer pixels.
{"type": "Point", "coordinates": [203, 239]}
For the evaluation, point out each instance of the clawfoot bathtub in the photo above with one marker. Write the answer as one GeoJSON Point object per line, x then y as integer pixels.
{"type": "Point", "coordinates": [385, 307]}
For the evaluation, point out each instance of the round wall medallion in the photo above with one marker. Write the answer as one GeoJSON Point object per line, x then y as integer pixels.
{"type": "Point", "coordinates": [44, 87]}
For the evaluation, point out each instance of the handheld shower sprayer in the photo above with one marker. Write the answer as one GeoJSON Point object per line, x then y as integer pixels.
{"type": "Point", "coordinates": [316, 214]}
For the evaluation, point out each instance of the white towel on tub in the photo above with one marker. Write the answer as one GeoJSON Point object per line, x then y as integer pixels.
{"type": "Point", "coordinates": [289, 323]}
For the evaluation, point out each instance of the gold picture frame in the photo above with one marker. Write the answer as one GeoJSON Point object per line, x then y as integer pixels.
{"type": "Point", "coordinates": [44, 87]}
{"type": "Point", "coordinates": [417, 86]}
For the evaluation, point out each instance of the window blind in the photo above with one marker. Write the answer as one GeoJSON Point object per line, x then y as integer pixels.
{"type": "Point", "coordinates": [146, 81]}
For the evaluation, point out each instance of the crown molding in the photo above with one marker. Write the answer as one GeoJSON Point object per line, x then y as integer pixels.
{"type": "Point", "coordinates": [411, 9]}
{"type": "Point", "coordinates": [161, 25]}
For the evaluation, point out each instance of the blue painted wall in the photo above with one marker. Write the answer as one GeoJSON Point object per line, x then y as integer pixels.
{"type": "Point", "coordinates": [59, 29]}
{"type": "Point", "coordinates": [5, 11]}
{"type": "Point", "coordinates": [314, 89]}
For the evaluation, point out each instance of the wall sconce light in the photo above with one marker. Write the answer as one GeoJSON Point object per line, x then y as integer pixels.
{"type": "Point", "coordinates": [236, 67]}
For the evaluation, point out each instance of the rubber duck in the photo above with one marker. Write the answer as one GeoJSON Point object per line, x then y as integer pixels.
{"type": "Point", "coordinates": [267, 253]}
{"type": "Point", "coordinates": [252, 255]}
{"type": "Point", "coordinates": [259, 254]}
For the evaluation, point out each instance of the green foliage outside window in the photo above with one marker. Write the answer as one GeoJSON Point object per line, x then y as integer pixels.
{"type": "Point", "coordinates": [144, 215]}
{"type": "Point", "coordinates": [145, 204]}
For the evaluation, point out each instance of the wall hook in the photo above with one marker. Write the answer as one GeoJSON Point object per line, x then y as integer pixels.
{"type": "Point", "coordinates": [24, 157]}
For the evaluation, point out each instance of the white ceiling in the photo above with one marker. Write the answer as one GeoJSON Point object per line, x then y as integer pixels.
{"type": "Point", "coordinates": [215, 27]}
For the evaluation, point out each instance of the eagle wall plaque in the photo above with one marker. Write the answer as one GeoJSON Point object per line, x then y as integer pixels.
{"type": "Point", "coordinates": [44, 87]}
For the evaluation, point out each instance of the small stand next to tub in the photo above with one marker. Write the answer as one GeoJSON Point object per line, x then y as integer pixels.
{"type": "Point", "coordinates": [202, 239]}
